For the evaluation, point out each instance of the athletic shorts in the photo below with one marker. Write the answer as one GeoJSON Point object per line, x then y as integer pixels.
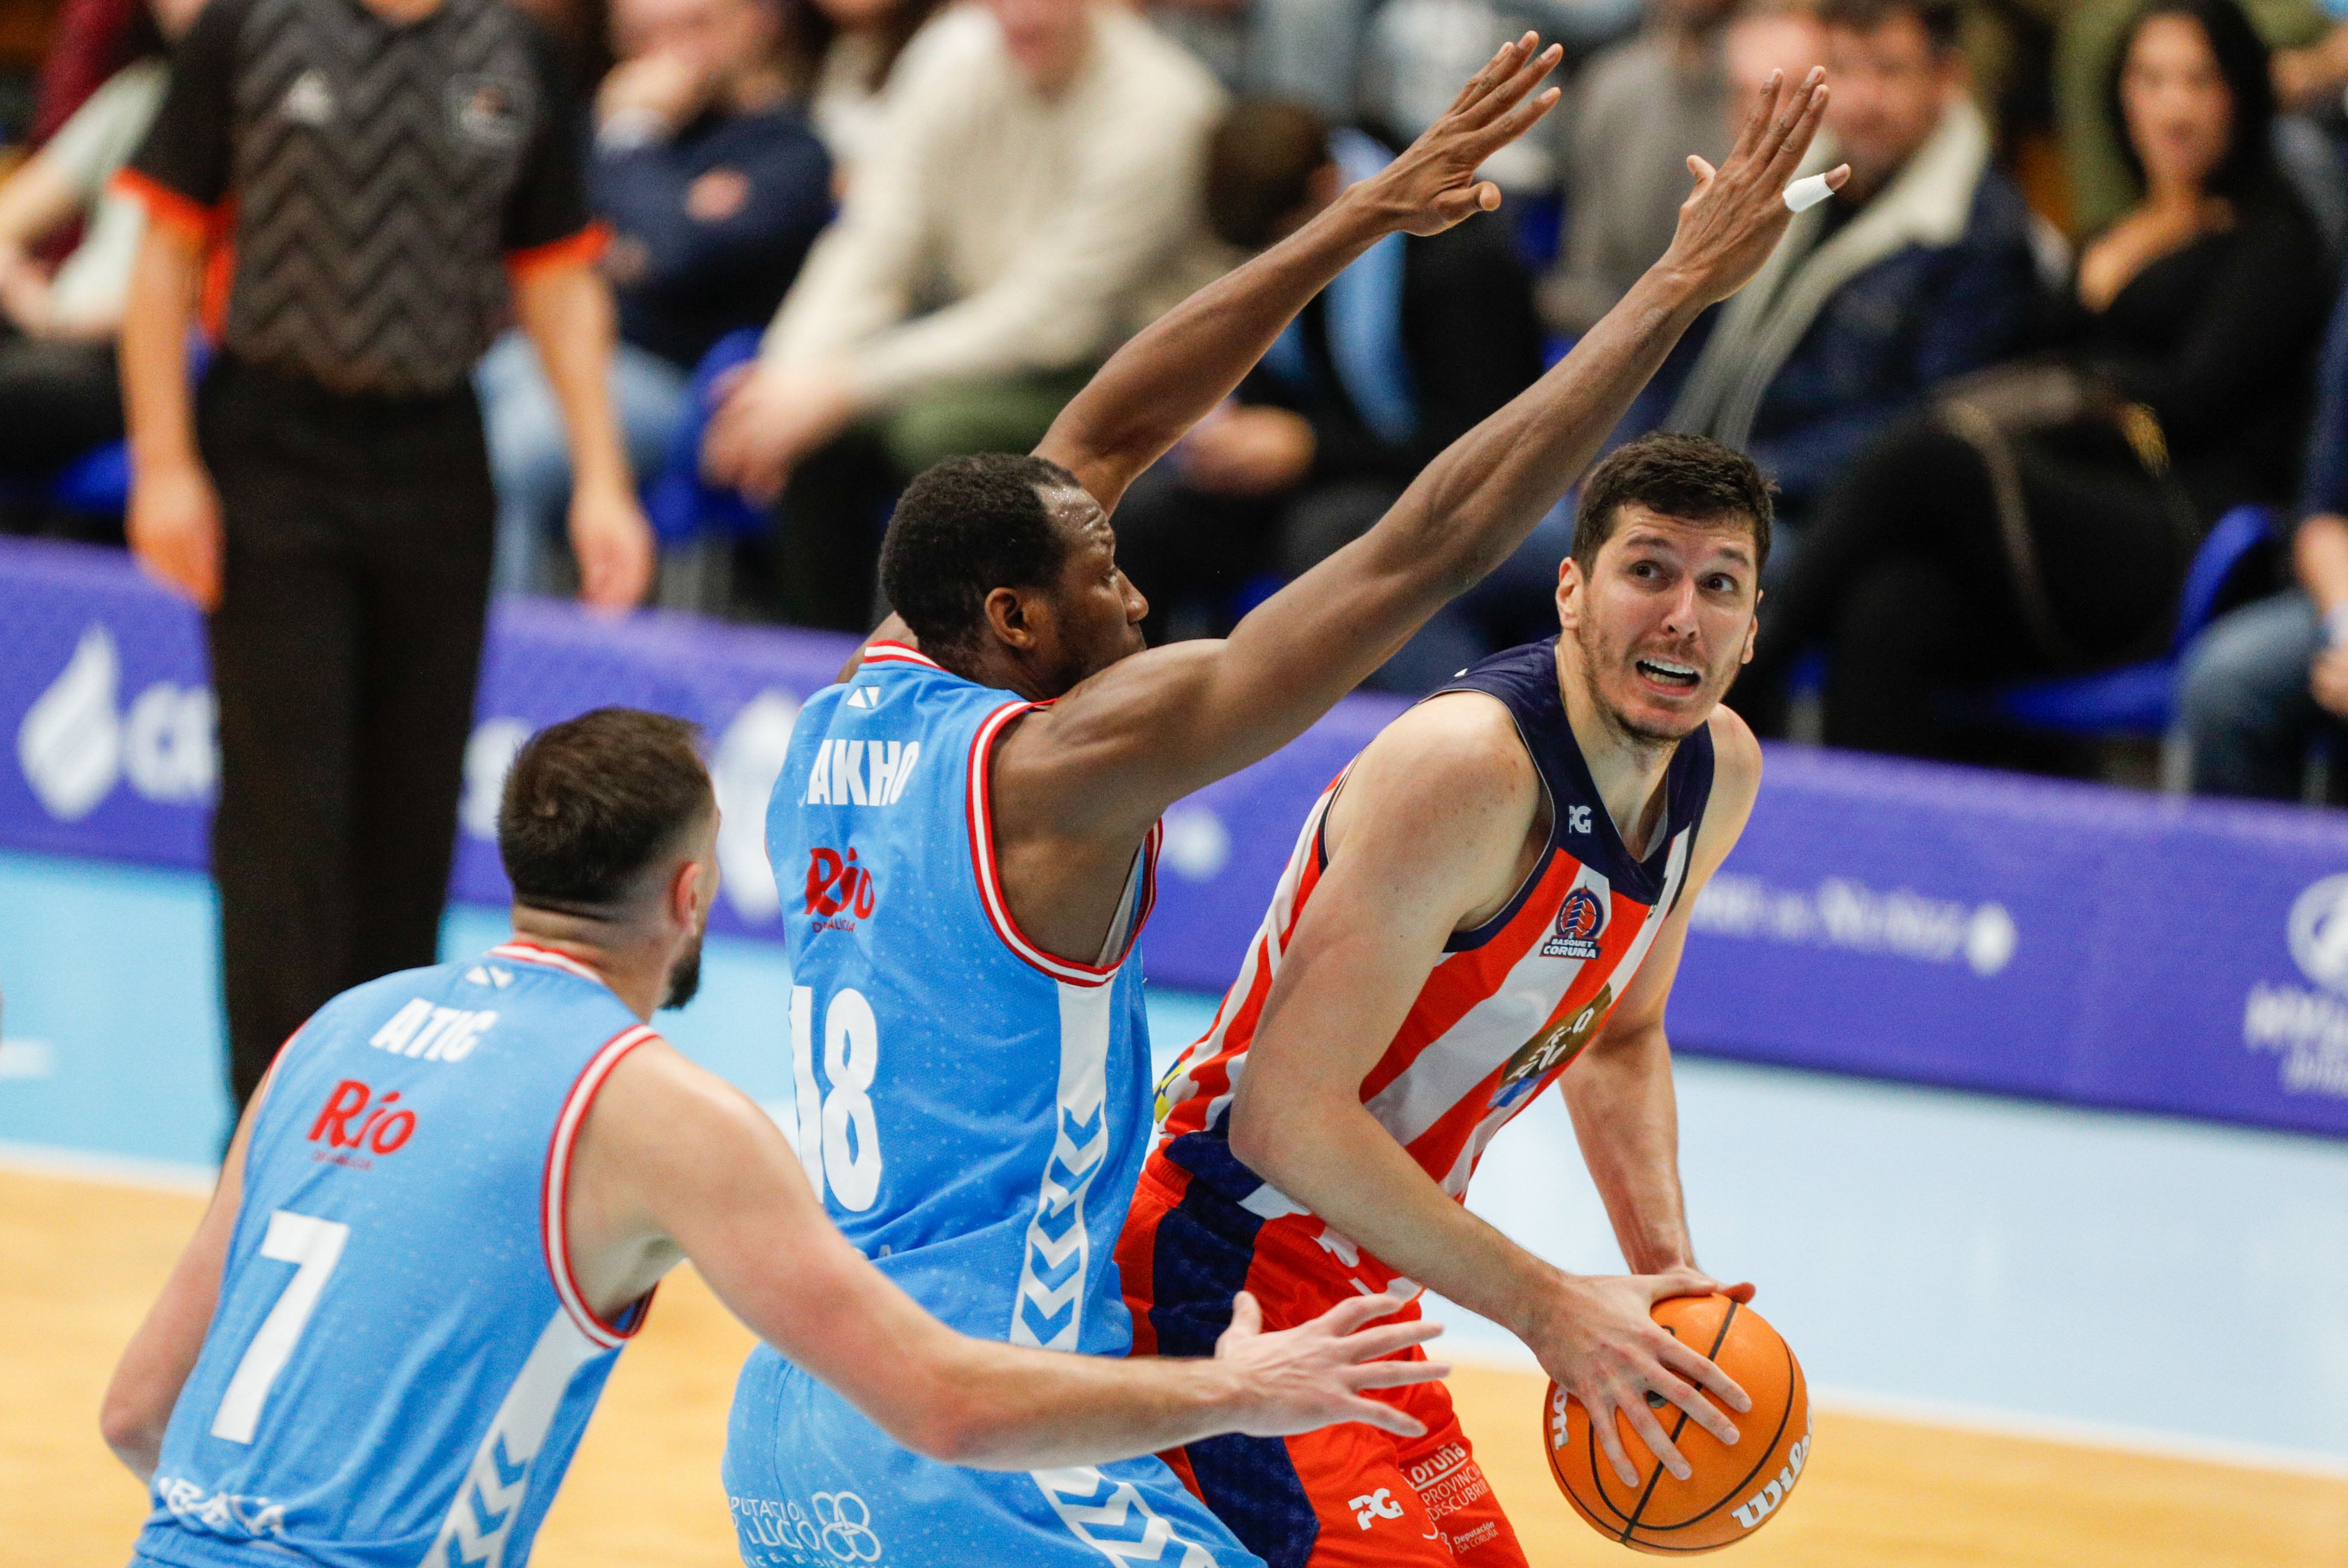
{"type": "Point", "coordinates": [1350, 1496]}
{"type": "Point", "coordinates": [813, 1484]}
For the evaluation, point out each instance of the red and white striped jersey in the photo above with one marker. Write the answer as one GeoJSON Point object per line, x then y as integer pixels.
{"type": "Point", "coordinates": [1511, 1002]}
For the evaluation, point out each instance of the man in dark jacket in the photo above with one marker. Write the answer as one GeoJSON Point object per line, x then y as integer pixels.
{"type": "Point", "coordinates": [1408, 349]}
{"type": "Point", "coordinates": [1920, 269]}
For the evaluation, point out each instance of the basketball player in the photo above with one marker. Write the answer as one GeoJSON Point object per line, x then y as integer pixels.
{"type": "Point", "coordinates": [967, 829]}
{"type": "Point", "coordinates": [448, 1204]}
{"type": "Point", "coordinates": [1497, 887]}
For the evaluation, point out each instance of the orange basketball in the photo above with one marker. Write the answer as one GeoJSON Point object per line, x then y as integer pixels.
{"type": "Point", "coordinates": [1730, 1491]}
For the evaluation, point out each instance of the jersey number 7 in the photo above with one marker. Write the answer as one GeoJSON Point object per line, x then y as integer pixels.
{"type": "Point", "coordinates": [314, 1246]}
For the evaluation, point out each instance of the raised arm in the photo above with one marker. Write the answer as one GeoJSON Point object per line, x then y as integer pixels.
{"type": "Point", "coordinates": [1152, 728]}
{"type": "Point", "coordinates": [1168, 378]}
{"type": "Point", "coordinates": [674, 1163]}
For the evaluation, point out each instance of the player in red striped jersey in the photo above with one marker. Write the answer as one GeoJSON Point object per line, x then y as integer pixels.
{"type": "Point", "coordinates": [1497, 888]}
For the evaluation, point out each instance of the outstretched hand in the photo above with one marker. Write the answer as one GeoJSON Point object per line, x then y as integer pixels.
{"type": "Point", "coordinates": [1433, 184]}
{"type": "Point", "coordinates": [1312, 1376]}
{"type": "Point", "coordinates": [1737, 213]}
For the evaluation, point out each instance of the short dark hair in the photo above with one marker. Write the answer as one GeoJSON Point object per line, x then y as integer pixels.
{"type": "Point", "coordinates": [589, 802]}
{"type": "Point", "coordinates": [1693, 478]}
{"type": "Point", "coordinates": [1259, 167]}
{"type": "Point", "coordinates": [1944, 20]}
{"type": "Point", "coordinates": [2249, 167]}
{"type": "Point", "coordinates": [963, 528]}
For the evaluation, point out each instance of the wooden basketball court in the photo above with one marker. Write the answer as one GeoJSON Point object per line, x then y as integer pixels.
{"type": "Point", "coordinates": [79, 1261]}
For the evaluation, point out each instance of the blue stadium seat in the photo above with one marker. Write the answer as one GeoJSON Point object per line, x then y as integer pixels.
{"type": "Point", "coordinates": [681, 504]}
{"type": "Point", "coordinates": [95, 484]}
{"type": "Point", "coordinates": [2139, 699]}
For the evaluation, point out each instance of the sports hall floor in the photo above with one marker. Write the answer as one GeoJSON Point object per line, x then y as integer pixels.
{"type": "Point", "coordinates": [2038, 1336]}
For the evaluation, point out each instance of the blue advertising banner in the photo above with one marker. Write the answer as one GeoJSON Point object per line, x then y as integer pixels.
{"type": "Point", "coordinates": [1935, 924]}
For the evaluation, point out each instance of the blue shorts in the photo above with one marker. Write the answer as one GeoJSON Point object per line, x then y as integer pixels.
{"type": "Point", "coordinates": [813, 1484]}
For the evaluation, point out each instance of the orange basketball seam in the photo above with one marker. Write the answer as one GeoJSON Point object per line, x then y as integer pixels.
{"type": "Point", "coordinates": [1793, 1381]}
{"type": "Point", "coordinates": [1657, 1480]}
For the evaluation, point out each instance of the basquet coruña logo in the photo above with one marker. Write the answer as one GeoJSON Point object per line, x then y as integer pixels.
{"type": "Point", "coordinates": [1579, 921]}
{"type": "Point", "coordinates": [2308, 1029]}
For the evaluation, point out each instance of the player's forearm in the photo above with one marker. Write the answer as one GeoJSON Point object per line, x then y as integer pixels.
{"type": "Point", "coordinates": [161, 308]}
{"type": "Point", "coordinates": [566, 309]}
{"type": "Point", "coordinates": [1626, 1119]}
{"type": "Point", "coordinates": [1337, 1162]}
{"type": "Point", "coordinates": [1172, 374]}
{"type": "Point", "coordinates": [1013, 1410]}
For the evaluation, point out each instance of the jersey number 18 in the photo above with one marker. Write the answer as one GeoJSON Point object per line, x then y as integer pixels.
{"type": "Point", "coordinates": [839, 1139]}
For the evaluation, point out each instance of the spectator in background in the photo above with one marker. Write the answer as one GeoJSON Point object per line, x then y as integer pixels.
{"type": "Point", "coordinates": [1411, 346]}
{"type": "Point", "coordinates": [1919, 269]}
{"type": "Point", "coordinates": [1032, 198]}
{"type": "Point", "coordinates": [387, 174]}
{"type": "Point", "coordinates": [2308, 68]}
{"type": "Point", "coordinates": [2263, 683]}
{"type": "Point", "coordinates": [2043, 517]}
{"type": "Point", "coordinates": [1304, 51]}
{"type": "Point", "coordinates": [714, 187]}
{"type": "Point", "coordinates": [60, 394]}
{"type": "Point", "coordinates": [841, 53]}
{"type": "Point", "coordinates": [1640, 108]}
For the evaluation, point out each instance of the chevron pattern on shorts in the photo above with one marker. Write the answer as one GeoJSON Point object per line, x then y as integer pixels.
{"type": "Point", "coordinates": [373, 165]}
{"type": "Point", "coordinates": [1114, 1519]}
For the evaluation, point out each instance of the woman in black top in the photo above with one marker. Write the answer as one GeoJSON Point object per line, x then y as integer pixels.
{"type": "Point", "coordinates": [2041, 518]}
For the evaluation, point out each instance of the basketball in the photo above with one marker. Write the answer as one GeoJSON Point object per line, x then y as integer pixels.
{"type": "Point", "coordinates": [1730, 1492]}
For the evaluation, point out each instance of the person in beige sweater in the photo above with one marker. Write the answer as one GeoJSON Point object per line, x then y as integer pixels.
{"type": "Point", "coordinates": [1031, 198]}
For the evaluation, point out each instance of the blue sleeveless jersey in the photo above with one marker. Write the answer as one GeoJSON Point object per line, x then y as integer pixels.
{"type": "Point", "coordinates": [974, 1112]}
{"type": "Point", "coordinates": [399, 1367]}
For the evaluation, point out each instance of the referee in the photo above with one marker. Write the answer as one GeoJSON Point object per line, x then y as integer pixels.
{"type": "Point", "coordinates": [350, 190]}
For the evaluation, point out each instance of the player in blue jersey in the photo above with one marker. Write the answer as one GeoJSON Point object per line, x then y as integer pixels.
{"type": "Point", "coordinates": [447, 1206]}
{"type": "Point", "coordinates": [965, 828]}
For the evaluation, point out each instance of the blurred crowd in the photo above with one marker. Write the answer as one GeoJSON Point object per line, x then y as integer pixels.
{"type": "Point", "coordinates": [2054, 390]}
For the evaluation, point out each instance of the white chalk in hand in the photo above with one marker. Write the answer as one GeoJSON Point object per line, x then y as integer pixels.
{"type": "Point", "coordinates": [1806, 192]}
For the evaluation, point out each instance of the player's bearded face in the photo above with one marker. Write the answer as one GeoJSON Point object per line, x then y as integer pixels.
{"type": "Point", "coordinates": [684, 975]}
{"type": "Point", "coordinates": [1664, 621]}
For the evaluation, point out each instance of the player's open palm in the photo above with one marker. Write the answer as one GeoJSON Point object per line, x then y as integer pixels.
{"type": "Point", "coordinates": [1433, 184]}
{"type": "Point", "coordinates": [1312, 1376]}
{"type": "Point", "coordinates": [1600, 1343]}
{"type": "Point", "coordinates": [1737, 213]}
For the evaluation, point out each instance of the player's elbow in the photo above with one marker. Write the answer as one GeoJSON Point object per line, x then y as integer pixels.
{"type": "Point", "coordinates": [132, 1428]}
{"type": "Point", "coordinates": [948, 1430]}
{"type": "Point", "coordinates": [1262, 1139]}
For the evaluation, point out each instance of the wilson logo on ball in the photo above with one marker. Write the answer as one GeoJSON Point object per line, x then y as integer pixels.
{"type": "Point", "coordinates": [1765, 1502]}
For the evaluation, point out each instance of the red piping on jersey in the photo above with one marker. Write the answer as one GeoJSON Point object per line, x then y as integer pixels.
{"type": "Point", "coordinates": [167, 207]}
{"type": "Point", "coordinates": [555, 1192]}
{"type": "Point", "coordinates": [584, 249]}
{"type": "Point", "coordinates": [886, 652]}
{"type": "Point", "coordinates": [981, 821]}
{"type": "Point", "coordinates": [527, 952]}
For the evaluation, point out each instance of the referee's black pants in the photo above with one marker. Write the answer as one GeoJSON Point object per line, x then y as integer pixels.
{"type": "Point", "coordinates": [343, 654]}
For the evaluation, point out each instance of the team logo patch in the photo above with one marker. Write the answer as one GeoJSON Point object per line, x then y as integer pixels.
{"type": "Point", "coordinates": [1581, 920]}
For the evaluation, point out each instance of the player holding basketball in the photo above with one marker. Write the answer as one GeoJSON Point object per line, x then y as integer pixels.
{"type": "Point", "coordinates": [973, 822]}
{"type": "Point", "coordinates": [1497, 888]}
{"type": "Point", "coordinates": [447, 1206]}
